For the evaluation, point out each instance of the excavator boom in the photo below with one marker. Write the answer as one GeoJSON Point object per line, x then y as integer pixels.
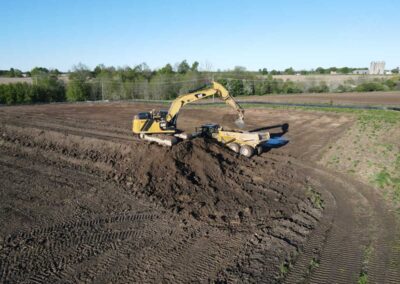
{"type": "Point", "coordinates": [217, 89]}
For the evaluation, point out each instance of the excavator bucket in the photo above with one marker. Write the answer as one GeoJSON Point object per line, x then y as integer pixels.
{"type": "Point", "coordinates": [240, 122]}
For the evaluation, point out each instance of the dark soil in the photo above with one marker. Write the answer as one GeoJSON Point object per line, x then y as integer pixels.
{"type": "Point", "coordinates": [82, 201]}
{"type": "Point", "coordinates": [65, 194]}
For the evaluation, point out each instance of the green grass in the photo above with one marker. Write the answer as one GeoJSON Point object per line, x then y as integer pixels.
{"type": "Point", "coordinates": [314, 263]}
{"type": "Point", "coordinates": [283, 269]}
{"type": "Point", "coordinates": [384, 179]}
{"type": "Point", "coordinates": [397, 163]}
{"type": "Point", "coordinates": [315, 197]}
{"type": "Point", "coordinates": [363, 278]}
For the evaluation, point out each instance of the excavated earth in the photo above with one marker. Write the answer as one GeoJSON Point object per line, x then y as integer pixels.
{"type": "Point", "coordinates": [83, 201]}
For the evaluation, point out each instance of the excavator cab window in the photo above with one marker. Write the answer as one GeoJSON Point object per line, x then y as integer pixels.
{"type": "Point", "coordinates": [208, 129]}
{"type": "Point", "coordinates": [163, 114]}
{"type": "Point", "coordinates": [143, 115]}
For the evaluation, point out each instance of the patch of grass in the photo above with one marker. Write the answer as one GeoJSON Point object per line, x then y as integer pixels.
{"type": "Point", "coordinates": [363, 278]}
{"type": "Point", "coordinates": [283, 269]}
{"type": "Point", "coordinates": [397, 163]}
{"type": "Point", "coordinates": [382, 178]}
{"type": "Point", "coordinates": [315, 197]}
{"type": "Point", "coordinates": [314, 263]}
{"type": "Point", "coordinates": [389, 147]}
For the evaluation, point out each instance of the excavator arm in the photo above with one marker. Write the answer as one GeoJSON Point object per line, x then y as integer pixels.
{"type": "Point", "coordinates": [216, 89]}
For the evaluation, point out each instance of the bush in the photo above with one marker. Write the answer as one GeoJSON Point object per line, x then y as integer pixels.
{"type": "Point", "coordinates": [370, 87]}
{"type": "Point", "coordinates": [47, 89]}
{"type": "Point", "coordinates": [322, 87]}
{"type": "Point", "coordinates": [78, 90]}
{"type": "Point", "coordinates": [290, 87]}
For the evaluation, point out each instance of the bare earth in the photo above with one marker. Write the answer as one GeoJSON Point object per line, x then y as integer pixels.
{"type": "Point", "coordinates": [83, 201]}
{"type": "Point", "coordinates": [362, 99]}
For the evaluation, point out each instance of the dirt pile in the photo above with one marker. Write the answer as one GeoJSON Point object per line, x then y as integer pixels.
{"type": "Point", "coordinates": [228, 210]}
{"type": "Point", "coordinates": [198, 177]}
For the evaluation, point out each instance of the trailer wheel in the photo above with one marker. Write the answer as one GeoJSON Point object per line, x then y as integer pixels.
{"type": "Point", "coordinates": [259, 150]}
{"type": "Point", "coordinates": [234, 147]}
{"type": "Point", "coordinates": [247, 151]}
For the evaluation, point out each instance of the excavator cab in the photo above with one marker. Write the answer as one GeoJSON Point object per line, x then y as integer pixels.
{"type": "Point", "coordinates": [207, 130]}
{"type": "Point", "coordinates": [152, 122]}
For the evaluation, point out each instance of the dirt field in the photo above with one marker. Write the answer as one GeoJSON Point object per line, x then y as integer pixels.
{"type": "Point", "coordinates": [361, 99]}
{"type": "Point", "coordinates": [82, 201]}
{"type": "Point", "coordinates": [7, 80]}
{"type": "Point", "coordinates": [329, 79]}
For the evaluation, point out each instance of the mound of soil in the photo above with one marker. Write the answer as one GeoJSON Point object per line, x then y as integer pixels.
{"type": "Point", "coordinates": [207, 180]}
{"type": "Point", "coordinates": [197, 177]}
{"type": "Point", "coordinates": [255, 213]}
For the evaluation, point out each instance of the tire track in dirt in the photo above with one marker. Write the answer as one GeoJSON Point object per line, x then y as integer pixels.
{"type": "Point", "coordinates": [335, 252]}
{"type": "Point", "coordinates": [77, 131]}
{"type": "Point", "coordinates": [46, 252]}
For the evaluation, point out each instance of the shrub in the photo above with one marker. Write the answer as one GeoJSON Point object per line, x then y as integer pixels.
{"type": "Point", "coordinates": [78, 90]}
{"type": "Point", "coordinates": [45, 90]}
{"type": "Point", "coordinates": [322, 87]}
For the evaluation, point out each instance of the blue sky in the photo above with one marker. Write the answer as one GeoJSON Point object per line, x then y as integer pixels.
{"type": "Point", "coordinates": [224, 33]}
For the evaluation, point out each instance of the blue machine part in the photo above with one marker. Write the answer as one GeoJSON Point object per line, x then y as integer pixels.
{"type": "Point", "coordinates": [276, 142]}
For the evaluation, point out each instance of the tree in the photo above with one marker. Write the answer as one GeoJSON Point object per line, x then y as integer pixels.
{"type": "Point", "coordinates": [14, 73]}
{"type": "Point", "coordinates": [235, 87]}
{"type": "Point", "coordinates": [98, 69]}
{"type": "Point", "coordinates": [144, 70]}
{"type": "Point", "coordinates": [289, 71]}
{"type": "Point", "coordinates": [320, 70]}
{"type": "Point", "coordinates": [49, 89]}
{"type": "Point", "coordinates": [167, 69]}
{"type": "Point", "coordinates": [183, 67]}
{"type": "Point", "coordinates": [263, 71]}
{"type": "Point", "coordinates": [195, 67]}
{"type": "Point", "coordinates": [239, 69]}
{"type": "Point", "coordinates": [344, 70]}
{"type": "Point", "coordinates": [80, 72]}
{"type": "Point", "coordinates": [395, 70]}
{"type": "Point", "coordinates": [54, 72]}
{"type": "Point", "coordinates": [78, 89]}
{"type": "Point", "coordinates": [38, 71]}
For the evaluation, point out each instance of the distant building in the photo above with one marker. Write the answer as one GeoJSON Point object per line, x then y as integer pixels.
{"type": "Point", "coordinates": [377, 68]}
{"type": "Point", "coordinates": [333, 72]}
{"type": "Point", "coordinates": [361, 72]}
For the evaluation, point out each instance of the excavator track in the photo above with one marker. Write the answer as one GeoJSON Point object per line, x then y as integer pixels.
{"type": "Point", "coordinates": [161, 139]}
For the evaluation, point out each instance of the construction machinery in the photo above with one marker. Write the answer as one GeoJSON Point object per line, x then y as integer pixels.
{"type": "Point", "coordinates": [161, 126]}
{"type": "Point", "coordinates": [242, 142]}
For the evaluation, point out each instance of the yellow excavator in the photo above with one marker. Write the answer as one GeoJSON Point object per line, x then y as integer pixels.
{"type": "Point", "coordinates": [161, 126]}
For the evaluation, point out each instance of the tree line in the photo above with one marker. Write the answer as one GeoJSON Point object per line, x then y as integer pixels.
{"type": "Point", "coordinates": [141, 82]}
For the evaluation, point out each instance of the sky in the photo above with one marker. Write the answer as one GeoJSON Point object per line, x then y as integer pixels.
{"type": "Point", "coordinates": [220, 34]}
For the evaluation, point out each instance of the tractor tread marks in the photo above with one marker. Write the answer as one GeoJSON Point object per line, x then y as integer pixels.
{"type": "Point", "coordinates": [62, 247]}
